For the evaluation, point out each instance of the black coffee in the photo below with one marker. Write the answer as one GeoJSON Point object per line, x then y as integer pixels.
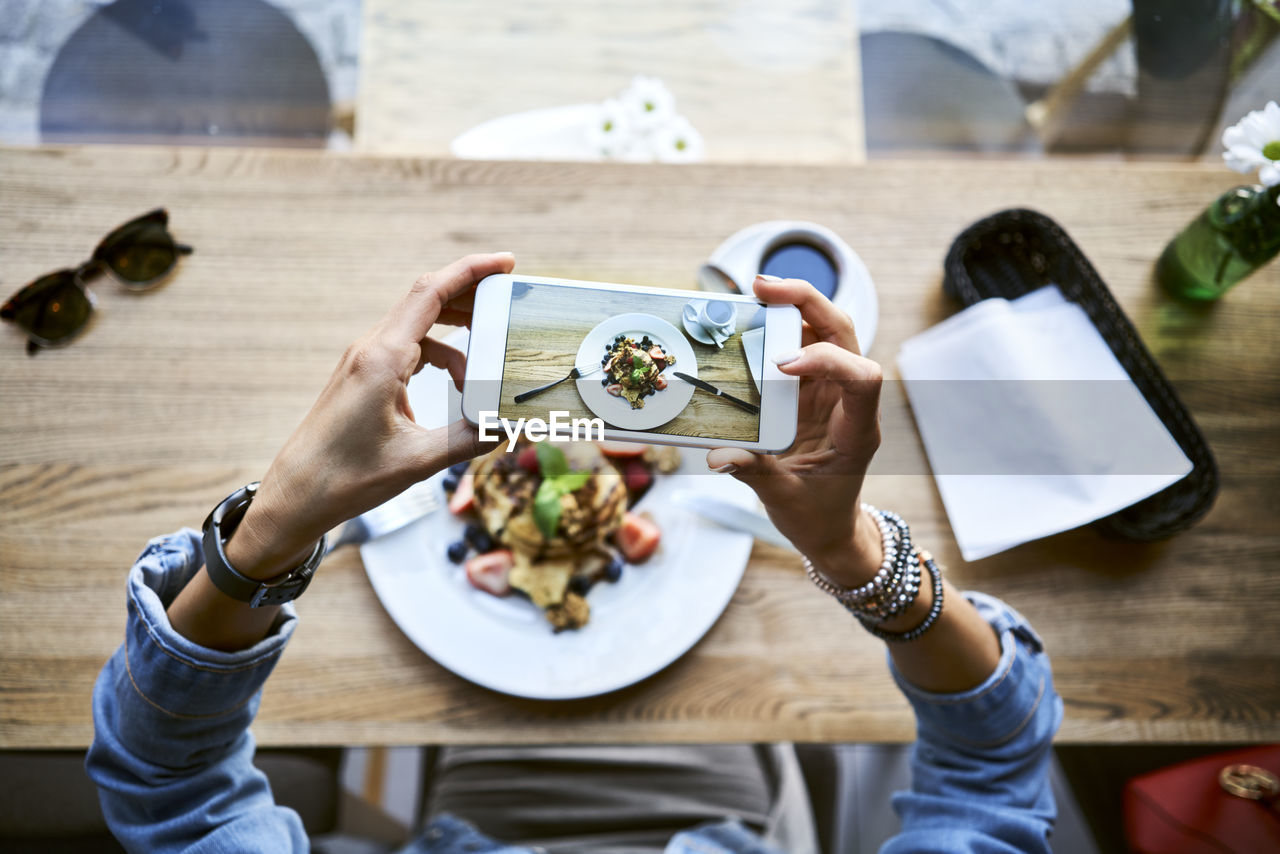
{"type": "Point", "coordinates": [802, 261]}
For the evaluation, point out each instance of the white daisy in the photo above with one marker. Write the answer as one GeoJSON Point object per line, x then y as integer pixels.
{"type": "Point", "coordinates": [649, 101]}
{"type": "Point", "coordinates": [1254, 143]}
{"type": "Point", "coordinates": [677, 141]}
{"type": "Point", "coordinates": [610, 132]}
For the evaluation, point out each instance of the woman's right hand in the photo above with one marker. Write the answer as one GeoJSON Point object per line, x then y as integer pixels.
{"type": "Point", "coordinates": [812, 491]}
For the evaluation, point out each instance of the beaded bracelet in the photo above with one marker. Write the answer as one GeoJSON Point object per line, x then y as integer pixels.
{"type": "Point", "coordinates": [896, 584]}
{"type": "Point", "coordinates": [935, 610]}
{"type": "Point", "coordinates": [898, 599]}
{"type": "Point", "coordinates": [895, 540]}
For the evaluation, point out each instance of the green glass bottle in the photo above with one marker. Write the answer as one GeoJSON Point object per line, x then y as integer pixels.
{"type": "Point", "coordinates": [1238, 233]}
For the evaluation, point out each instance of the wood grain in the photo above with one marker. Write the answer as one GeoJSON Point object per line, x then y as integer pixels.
{"type": "Point", "coordinates": [763, 81]}
{"type": "Point", "coordinates": [177, 396]}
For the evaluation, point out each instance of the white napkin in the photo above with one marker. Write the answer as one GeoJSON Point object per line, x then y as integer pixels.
{"type": "Point", "coordinates": [1031, 425]}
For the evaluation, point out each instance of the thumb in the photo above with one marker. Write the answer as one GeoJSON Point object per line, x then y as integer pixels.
{"type": "Point", "coordinates": [441, 447]}
{"type": "Point", "coordinates": [759, 471]}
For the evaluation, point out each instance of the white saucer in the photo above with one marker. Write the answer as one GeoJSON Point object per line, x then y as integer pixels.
{"type": "Point", "coordinates": [696, 330]}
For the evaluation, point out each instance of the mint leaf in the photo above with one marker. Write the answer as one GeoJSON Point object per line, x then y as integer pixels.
{"type": "Point", "coordinates": [571, 481]}
{"type": "Point", "coordinates": [551, 460]}
{"type": "Point", "coordinates": [546, 508]}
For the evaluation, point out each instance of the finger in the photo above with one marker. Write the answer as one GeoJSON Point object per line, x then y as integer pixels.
{"type": "Point", "coordinates": [449, 317]}
{"type": "Point", "coordinates": [441, 447]}
{"type": "Point", "coordinates": [421, 307]}
{"type": "Point", "coordinates": [466, 301]}
{"type": "Point", "coordinates": [859, 379]}
{"type": "Point", "coordinates": [827, 321]}
{"type": "Point", "coordinates": [436, 352]}
{"type": "Point", "coordinates": [756, 470]}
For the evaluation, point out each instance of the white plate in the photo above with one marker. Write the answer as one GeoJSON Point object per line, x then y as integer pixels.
{"type": "Point", "coordinates": [660, 407]}
{"type": "Point", "coordinates": [648, 619]}
{"type": "Point", "coordinates": [553, 133]}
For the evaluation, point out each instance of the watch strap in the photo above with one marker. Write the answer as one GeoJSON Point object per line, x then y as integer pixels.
{"type": "Point", "coordinates": [218, 528]}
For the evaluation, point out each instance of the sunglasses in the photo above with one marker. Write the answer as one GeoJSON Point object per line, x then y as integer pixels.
{"type": "Point", "coordinates": [56, 307]}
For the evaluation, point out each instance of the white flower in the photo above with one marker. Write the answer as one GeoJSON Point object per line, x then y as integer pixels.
{"type": "Point", "coordinates": [649, 101]}
{"type": "Point", "coordinates": [677, 141]}
{"type": "Point", "coordinates": [1254, 143]}
{"type": "Point", "coordinates": [610, 132]}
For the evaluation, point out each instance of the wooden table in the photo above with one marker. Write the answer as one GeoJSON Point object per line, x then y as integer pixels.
{"type": "Point", "coordinates": [759, 81]}
{"type": "Point", "coordinates": [177, 396]}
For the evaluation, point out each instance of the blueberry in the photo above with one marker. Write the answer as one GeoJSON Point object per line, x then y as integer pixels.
{"type": "Point", "coordinates": [580, 584]}
{"type": "Point", "coordinates": [613, 570]}
{"type": "Point", "coordinates": [604, 381]}
{"type": "Point", "coordinates": [458, 469]}
{"type": "Point", "coordinates": [450, 483]}
{"type": "Point", "coordinates": [457, 551]}
{"type": "Point", "coordinates": [478, 538]}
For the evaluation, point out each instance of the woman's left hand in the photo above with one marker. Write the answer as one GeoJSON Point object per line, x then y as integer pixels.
{"type": "Point", "coordinates": [359, 445]}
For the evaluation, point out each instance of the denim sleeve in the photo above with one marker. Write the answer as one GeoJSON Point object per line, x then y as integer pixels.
{"type": "Point", "coordinates": [171, 755]}
{"type": "Point", "coordinates": [980, 765]}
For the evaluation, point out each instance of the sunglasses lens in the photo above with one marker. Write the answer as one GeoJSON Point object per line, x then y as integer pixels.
{"type": "Point", "coordinates": [139, 253]}
{"type": "Point", "coordinates": [52, 308]}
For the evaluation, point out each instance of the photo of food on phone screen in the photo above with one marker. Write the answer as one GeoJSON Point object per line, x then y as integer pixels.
{"type": "Point", "coordinates": [686, 364]}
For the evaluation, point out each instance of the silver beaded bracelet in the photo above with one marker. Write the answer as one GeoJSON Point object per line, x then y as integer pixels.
{"type": "Point", "coordinates": [894, 587]}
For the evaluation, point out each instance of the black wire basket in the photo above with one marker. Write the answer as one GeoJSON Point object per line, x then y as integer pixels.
{"type": "Point", "coordinates": [1016, 251]}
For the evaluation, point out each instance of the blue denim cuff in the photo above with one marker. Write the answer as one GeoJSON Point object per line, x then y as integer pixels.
{"type": "Point", "coordinates": [1003, 706]}
{"type": "Point", "coordinates": [176, 676]}
{"type": "Point", "coordinates": [167, 700]}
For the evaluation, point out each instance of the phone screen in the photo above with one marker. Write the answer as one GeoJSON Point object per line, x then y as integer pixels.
{"type": "Point", "coordinates": [687, 364]}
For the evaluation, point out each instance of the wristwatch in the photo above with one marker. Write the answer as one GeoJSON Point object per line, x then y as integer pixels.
{"type": "Point", "coordinates": [218, 528]}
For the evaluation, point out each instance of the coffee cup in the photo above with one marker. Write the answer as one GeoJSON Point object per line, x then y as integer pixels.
{"type": "Point", "coordinates": [794, 249]}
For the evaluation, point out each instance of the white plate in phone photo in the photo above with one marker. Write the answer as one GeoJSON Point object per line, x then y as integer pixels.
{"type": "Point", "coordinates": [659, 407]}
{"type": "Point", "coordinates": [650, 617]}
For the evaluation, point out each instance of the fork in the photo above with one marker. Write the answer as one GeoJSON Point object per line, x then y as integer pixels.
{"type": "Point", "coordinates": [417, 501]}
{"type": "Point", "coordinates": [576, 374]}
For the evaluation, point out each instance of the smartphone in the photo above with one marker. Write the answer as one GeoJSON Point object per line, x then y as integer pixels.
{"type": "Point", "coordinates": [563, 359]}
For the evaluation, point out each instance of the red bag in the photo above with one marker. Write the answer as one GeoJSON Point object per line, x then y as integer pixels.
{"type": "Point", "coordinates": [1221, 803]}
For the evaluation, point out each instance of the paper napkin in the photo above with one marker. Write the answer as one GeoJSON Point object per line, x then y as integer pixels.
{"type": "Point", "coordinates": [1030, 423]}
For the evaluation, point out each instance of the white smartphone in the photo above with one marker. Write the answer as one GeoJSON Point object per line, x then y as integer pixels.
{"type": "Point", "coordinates": [563, 359]}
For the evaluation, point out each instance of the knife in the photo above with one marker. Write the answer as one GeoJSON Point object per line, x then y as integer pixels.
{"type": "Point", "coordinates": [730, 515]}
{"type": "Point", "coordinates": [706, 386]}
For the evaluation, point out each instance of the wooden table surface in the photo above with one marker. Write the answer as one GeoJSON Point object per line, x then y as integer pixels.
{"type": "Point", "coordinates": [760, 82]}
{"type": "Point", "coordinates": [175, 397]}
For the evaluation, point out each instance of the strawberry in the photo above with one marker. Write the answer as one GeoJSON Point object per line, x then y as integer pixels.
{"type": "Point", "coordinates": [638, 537]}
{"type": "Point", "coordinates": [527, 459]}
{"type": "Point", "coordinates": [464, 497]}
{"type": "Point", "coordinates": [622, 450]}
{"type": "Point", "coordinates": [637, 475]}
{"type": "Point", "coordinates": [489, 572]}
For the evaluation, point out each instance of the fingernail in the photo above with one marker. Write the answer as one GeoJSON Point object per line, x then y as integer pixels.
{"type": "Point", "coordinates": [727, 468]}
{"type": "Point", "coordinates": [764, 277]}
{"type": "Point", "coordinates": [787, 357]}
{"type": "Point", "coordinates": [508, 254]}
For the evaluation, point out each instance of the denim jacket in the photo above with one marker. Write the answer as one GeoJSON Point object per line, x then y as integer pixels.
{"type": "Point", "coordinates": [173, 757]}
